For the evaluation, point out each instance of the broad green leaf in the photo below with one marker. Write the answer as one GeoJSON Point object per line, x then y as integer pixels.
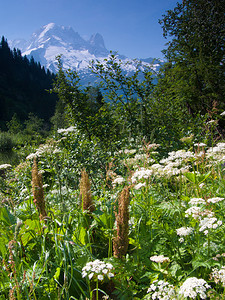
{"type": "Point", "coordinates": [6, 217]}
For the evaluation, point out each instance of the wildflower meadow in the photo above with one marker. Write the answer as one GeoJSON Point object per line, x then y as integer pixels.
{"type": "Point", "coordinates": [145, 225]}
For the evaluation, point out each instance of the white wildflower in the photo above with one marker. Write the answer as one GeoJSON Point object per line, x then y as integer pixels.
{"type": "Point", "coordinates": [132, 151]}
{"type": "Point", "coordinates": [97, 269]}
{"type": "Point", "coordinates": [223, 113]}
{"type": "Point", "coordinates": [67, 130]}
{"type": "Point", "coordinates": [219, 275]}
{"type": "Point", "coordinates": [5, 166]}
{"type": "Point", "coordinates": [209, 223]}
{"type": "Point", "coordinates": [162, 290]}
{"type": "Point", "coordinates": [196, 201]}
{"type": "Point", "coordinates": [184, 231]}
{"type": "Point", "coordinates": [159, 258]}
{"type": "Point", "coordinates": [100, 277]}
{"type": "Point", "coordinates": [194, 287]}
{"type": "Point", "coordinates": [215, 200]}
{"type": "Point", "coordinates": [118, 180]}
{"type": "Point", "coordinates": [193, 211]}
{"type": "Point", "coordinates": [142, 173]}
{"type": "Point", "coordinates": [139, 185]}
{"type": "Point", "coordinates": [200, 144]}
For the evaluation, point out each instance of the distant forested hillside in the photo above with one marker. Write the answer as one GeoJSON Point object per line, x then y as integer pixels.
{"type": "Point", "coordinates": [23, 86]}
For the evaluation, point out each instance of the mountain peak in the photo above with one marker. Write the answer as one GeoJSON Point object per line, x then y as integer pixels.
{"type": "Point", "coordinates": [52, 40]}
{"type": "Point", "coordinates": [97, 45]}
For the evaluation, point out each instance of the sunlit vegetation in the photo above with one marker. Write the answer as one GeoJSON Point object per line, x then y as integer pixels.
{"type": "Point", "coordinates": [124, 196]}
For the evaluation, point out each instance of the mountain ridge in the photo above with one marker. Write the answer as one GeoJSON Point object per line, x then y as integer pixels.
{"type": "Point", "coordinates": [52, 40]}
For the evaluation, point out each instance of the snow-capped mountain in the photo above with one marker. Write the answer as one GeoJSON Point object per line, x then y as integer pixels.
{"type": "Point", "coordinates": [76, 53]}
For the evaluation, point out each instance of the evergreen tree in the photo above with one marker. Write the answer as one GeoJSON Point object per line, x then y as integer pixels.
{"type": "Point", "coordinates": [23, 86]}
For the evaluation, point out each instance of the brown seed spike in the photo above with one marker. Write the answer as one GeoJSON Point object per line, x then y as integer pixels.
{"type": "Point", "coordinates": [121, 241]}
{"type": "Point", "coordinates": [37, 188]}
{"type": "Point", "coordinates": [85, 193]}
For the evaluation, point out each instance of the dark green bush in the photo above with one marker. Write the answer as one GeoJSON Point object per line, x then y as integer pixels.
{"type": "Point", "coordinates": [7, 141]}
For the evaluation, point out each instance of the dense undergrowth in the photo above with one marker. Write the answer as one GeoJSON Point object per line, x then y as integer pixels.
{"type": "Point", "coordinates": [79, 223]}
{"type": "Point", "coordinates": [129, 203]}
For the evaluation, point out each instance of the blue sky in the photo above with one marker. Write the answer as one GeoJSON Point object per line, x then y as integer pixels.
{"type": "Point", "coordinates": [127, 26]}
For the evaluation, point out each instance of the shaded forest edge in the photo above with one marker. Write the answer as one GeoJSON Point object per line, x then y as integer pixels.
{"type": "Point", "coordinates": [23, 87]}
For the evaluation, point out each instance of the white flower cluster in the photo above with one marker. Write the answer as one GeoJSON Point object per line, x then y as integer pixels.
{"type": "Point", "coordinates": [131, 151]}
{"type": "Point", "coordinates": [66, 130]}
{"type": "Point", "coordinates": [219, 275]}
{"type": "Point", "coordinates": [43, 149]}
{"type": "Point", "coordinates": [215, 200]}
{"type": "Point", "coordinates": [182, 154]}
{"type": "Point", "coordinates": [193, 211]}
{"type": "Point", "coordinates": [196, 201]}
{"type": "Point", "coordinates": [118, 180]}
{"type": "Point", "coordinates": [162, 290]}
{"type": "Point", "coordinates": [151, 146]}
{"type": "Point", "coordinates": [159, 258]}
{"type": "Point", "coordinates": [217, 153]}
{"type": "Point", "coordinates": [175, 164]}
{"type": "Point", "coordinates": [97, 269]}
{"type": "Point", "coordinates": [200, 144]}
{"type": "Point", "coordinates": [209, 223]}
{"type": "Point", "coordinates": [142, 173]}
{"type": "Point", "coordinates": [5, 166]}
{"type": "Point", "coordinates": [184, 231]}
{"type": "Point", "coordinates": [194, 287]}
{"type": "Point", "coordinates": [139, 185]}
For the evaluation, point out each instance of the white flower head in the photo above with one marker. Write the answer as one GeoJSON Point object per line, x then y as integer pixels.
{"type": "Point", "coordinates": [161, 289]}
{"type": "Point", "coordinates": [193, 287]}
{"type": "Point", "coordinates": [97, 269]}
{"type": "Point", "coordinates": [159, 258]}
{"type": "Point", "coordinates": [184, 231]}
{"type": "Point", "coordinates": [219, 275]}
{"type": "Point", "coordinates": [5, 166]}
{"type": "Point", "coordinates": [196, 201]}
{"type": "Point", "coordinates": [215, 200]}
{"type": "Point", "coordinates": [118, 180]}
{"type": "Point", "coordinates": [139, 185]}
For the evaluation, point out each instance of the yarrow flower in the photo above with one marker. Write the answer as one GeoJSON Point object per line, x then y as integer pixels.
{"type": "Point", "coordinates": [139, 185]}
{"type": "Point", "coordinates": [215, 200]}
{"type": "Point", "coordinates": [5, 166]}
{"type": "Point", "coordinates": [159, 258]}
{"type": "Point", "coordinates": [196, 201]}
{"type": "Point", "coordinates": [184, 231]}
{"type": "Point", "coordinates": [67, 130]}
{"type": "Point", "coordinates": [193, 211]}
{"type": "Point", "coordinates": [118, 180]}
{"type": "Point", "coordinates": [209, 223]}
{"type": "Point", "coordinates": [162, 290]}
{"type": "Point", "coordinates": [192, 287]}
{"type": "Point", "coordinates": [142, 173]}
{"type": "Point", "coordinates": [218, 275]}
{"type": "Point", "coordinates": [97, 269]}
{"type": "Point", "coordinates": [200, 144]}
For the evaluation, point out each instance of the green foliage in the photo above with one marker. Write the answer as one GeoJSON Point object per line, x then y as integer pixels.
{"type": "Point", "coordinates": [45, 258]}
{"type": "Point", "coordinates": [194, 74]}
{"type": "Point", "coordinates": [129, 95]}
{"type": "Point", "coordinates": [85, 108]}
{"type": "Point", "coordinates": [6, 141]}
{"type": "Point", "coordinates": [14, 126]}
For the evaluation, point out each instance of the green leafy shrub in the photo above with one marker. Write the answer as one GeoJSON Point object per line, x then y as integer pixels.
{"type": "Point", "coordinates": [7, 142]}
